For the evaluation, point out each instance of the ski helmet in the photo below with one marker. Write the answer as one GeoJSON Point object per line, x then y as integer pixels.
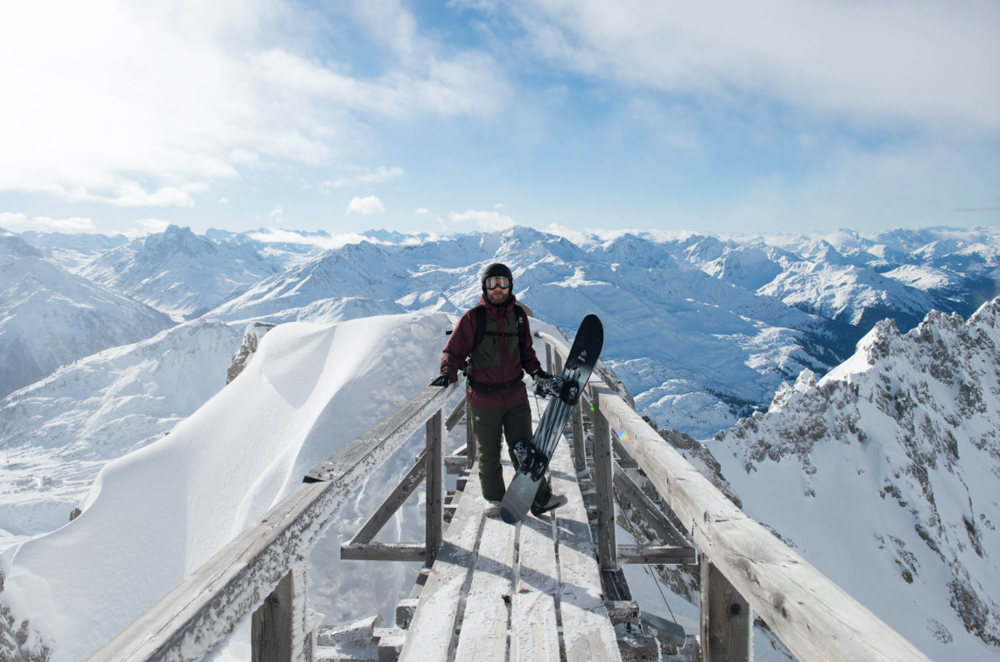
{"type": "Point", "coordinates": [496, 269]}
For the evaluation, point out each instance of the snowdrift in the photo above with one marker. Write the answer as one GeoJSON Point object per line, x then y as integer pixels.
{"type": "Point", "coordinates": [157, 514]}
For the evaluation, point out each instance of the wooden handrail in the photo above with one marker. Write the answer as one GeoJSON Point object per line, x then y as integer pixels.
{"type": "Point", "coordinates": [201, 612]}
{"type": "Point", "coordinates": [813, 616]}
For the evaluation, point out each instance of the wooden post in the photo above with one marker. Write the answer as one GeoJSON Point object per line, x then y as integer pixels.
{"type": "Point", "coordinates": [548, 357]}
{"type": "Point", "coordinates": [726, 618]}
{"type": "Point", "coordinates": [579, 443]}
{"type": "Point", "coordinates": [607, 547]}
{"type": "Point", "coordinates": [271, 627]}
{"type": "Point", "coordinates": [435, 485]}
{"type": "Point", "coordinates": [559, 363]}
{"type": "Point", "coordinates": [470, 436]}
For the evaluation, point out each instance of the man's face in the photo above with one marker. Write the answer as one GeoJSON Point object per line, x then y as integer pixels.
{"type": "Point", "coordinates": [498, 290]}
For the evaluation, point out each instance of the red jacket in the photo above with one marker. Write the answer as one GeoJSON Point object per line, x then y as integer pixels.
{"type": "Point", "coordinates": [459, 347]}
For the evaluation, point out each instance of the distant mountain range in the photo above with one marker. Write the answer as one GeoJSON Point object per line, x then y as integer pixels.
{"type": "Point", "coordinates": [878, 460]}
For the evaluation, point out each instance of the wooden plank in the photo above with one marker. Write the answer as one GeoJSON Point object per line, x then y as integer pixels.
{"type": "Point", "coordinates": [632, 496]}
{"type": "Point", "coordinates": [271, 625]}
{"type": "Point", "coordinates": [406, 487]}
{"type": "Point", "coordinates": [456, 415]}
{"type": "Point", "coordinates": [534, 629]}
{"type": "Point", "coordinates": [603, 475]}
{"type": "Point", "coordinates": [211, 601]}
{"type": "Point", "coordinates": [587, 630]}
{"type": "Point", "coordinates": [431, 631]}
{"type": "Point", "coordinates": [666, 555]}
{"type": "Point", "coordinates": [435, 486]}
{"type": "Point", "coordinates": [579, 440]}
{"type": "Point", "coordinates": [487, 609]}
{"type": "Point", "coordinates": [384, 551]}
{"type": "Point", "coordinates": [726, 619]}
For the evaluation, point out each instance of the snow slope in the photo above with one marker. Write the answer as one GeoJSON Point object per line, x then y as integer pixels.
{"type": "Point", "coordinates": [49, 316]}
{"type": "Point", "coordinates": [886, 475]}
{"type": "Point", "coordinates": [158, 513]}
{"type": "Point", "coordinates": [56, 434]}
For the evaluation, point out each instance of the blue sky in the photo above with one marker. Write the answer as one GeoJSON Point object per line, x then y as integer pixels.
{"type": "Point", "coordinates": [728, 116]}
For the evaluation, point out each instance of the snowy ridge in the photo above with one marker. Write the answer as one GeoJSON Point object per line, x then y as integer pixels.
{"type": "Point", "coordinates": [178, 272]}
{"type": "Point", "coordinates": [886, 474]}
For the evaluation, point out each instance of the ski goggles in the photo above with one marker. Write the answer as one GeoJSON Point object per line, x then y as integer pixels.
{"type": "Point", "coordinates": [497, 281]}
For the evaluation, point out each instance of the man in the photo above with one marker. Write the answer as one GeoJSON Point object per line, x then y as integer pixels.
{"type": "Point", "coordinates": [496, 391]}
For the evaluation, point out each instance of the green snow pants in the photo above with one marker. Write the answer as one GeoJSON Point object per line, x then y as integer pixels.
{"type": "Point", "coordinates": [489, 425]}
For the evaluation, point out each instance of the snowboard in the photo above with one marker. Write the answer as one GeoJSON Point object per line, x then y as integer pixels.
{"type": "Point", "coordinates": [564, 389]}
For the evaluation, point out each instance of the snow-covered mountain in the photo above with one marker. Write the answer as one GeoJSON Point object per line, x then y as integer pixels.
{"type": "Point", "coordinates": [49, 317]}
{"type": "Point", "coordinates": [885, 474]}
{"type": "Point", "coordinates": [178, 272]}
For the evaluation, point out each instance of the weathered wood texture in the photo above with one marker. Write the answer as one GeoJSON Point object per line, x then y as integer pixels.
{"type": "Point", "coordinates": [271, 625]}
{"type": "Point", "coordinates": [435, 486]}
{"type": "Point", "coordinates": [456, 416]}
{"type": "Point", "coordinates": [726, 619]}
{"type": "Point", "coordinates": [190, 621]}
{"type": "Point", "coordinates": [406, 487]}
{"type": "Point", "coordinates": [656, 555]}
{"type": "Point", "coordinates": [632, 495]}
{"type": "Point", "coordinates": [470, 436]}
{"type": "Point", "coordinates": [587, 630]}
{"type": "Point", "coordinates": [813, 617]}
{"type": "Point", "coordinates": [384, 551]}
{"type": "Point", "coordinates": [603, 475]}
{"type": "Point", "coordinates": [433, 626]}
{"type": "Point", "coordinates": [487, 612]}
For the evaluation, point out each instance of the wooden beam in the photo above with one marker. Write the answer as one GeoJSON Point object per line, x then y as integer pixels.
{"type": "Point", "coordinates": [604, 486]}
{"type": "Point", "coordinates": [726, 619]}
{"type": "Point", "coordinates": [435, 485]}
{"type": "Point", "coordinates": [211, 601]}
{"type": "Point", "coordinates": [633, 497]}
{"type": "Point", "coordinates": [455, 416]}
{"type": "Point", "coordinates": [406, 487]}
{"type": "Point", "coordinates": [653, 555]}
{"type": "Point", "coordinates": [384, 551]}
{"type": "Point", "coordinates": [271, 625]}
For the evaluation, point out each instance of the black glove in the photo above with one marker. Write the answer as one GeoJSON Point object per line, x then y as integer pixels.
{"type": "Point", "coordinates": [541, 374]}
{"type": "Point", "coordinates": [440, 380]}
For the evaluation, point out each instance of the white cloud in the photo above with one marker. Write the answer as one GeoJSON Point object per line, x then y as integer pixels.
{"type": "Point", "coordinates": [920, 62]}
{"type": "Point", "coordinates": [489, 221]}
{"type": "Point", "coordinates": [498, 205]}
{"type": "Point", "coordinates": [366, 206]}
{"type": "Point", "coordinates": [147, 226]}
{"type": "Point", "coordinates": [134, 103]}
{"type": "Point", "coordinates": [365, 176]}
{"type": "Point", "coordinates": [274, 235]}
{"type": "Point", "coordinates": [20, 222]}
{"type": "Point", "coordinates": [277, 211]}
{"type": "Point", "coordinates": [222, 201]}
{"type": "Point", "coordinates": [422, 211]}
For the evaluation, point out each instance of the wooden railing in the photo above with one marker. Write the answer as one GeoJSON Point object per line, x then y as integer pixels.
{"type": "Point", "coordinates": [742, 564]}
{"type": "Point", "coordinates": [263, 569]}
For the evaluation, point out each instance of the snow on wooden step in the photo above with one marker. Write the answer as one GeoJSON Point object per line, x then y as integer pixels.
{"type": "Point", "coordinates": [487, 607]}
{"type": "Point", "coordinates": [587, 630]}
{"type": "Point", "coordinates": [435, 620]}
{"type": "Point", "coordinates": [534, 633]}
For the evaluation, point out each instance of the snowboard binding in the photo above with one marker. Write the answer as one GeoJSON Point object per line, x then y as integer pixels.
{"type": "Point", "coordinates": [530, 460]}
{"type": "Point", "coordinates": [570, 391]}
{"type": "Point", "coordinates": [546, 387]}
